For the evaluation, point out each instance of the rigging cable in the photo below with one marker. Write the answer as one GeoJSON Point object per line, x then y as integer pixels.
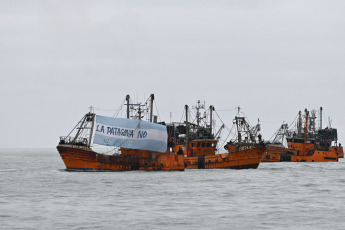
{"type": "Point", "coordinates": [183, 113]}
{"type": "Point", "coordinates": [157, 111]}
{"type": "Point", "coordinates": [226, 138]}
{"type": "Point", "coordinates": [225, 126]}
{"type": "Point", "coordinates": [275, 134]}
{"type": "Point", "coordinates": [119, 109]}
{"type": "Point", "coordinates": [221, 120]}
{"type": "Point", "coordinates": [227, 110]}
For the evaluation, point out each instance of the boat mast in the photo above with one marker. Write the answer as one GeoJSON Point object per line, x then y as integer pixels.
{"type": "Point", "coordinates": [312, 119]}
{"type": "Point", "coordinates": [305, 131]}
{"type": "Point", "coordinates": [92, 119]}
{"type": "Point", "coordinates": [187, 127]}
{"type": "Point", "coordinates": [320, 117]}
{"type": "Point", "coordinates": [139, 112]}
{"type": "Point", "coordinates": [151, 110]}
{"type": "Point", "coordinates": [79, 129]}
{"type": "Point", "coordinates": [198, 113]}
{"type": "Point", "coordinates": [238, 131]}
{"type": "Point", "coordinates": [211, 110]}
{"type": "Point", "coordinates": [127, 99]}
{"type": "Point", "coordinates": [198, 107]}
{"type": "Point", "coordinates": [299, 124]}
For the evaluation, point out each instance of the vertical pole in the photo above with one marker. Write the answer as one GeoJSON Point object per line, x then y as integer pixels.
{"type": "Point", "coordinates": [197, 113]}
{"type": "Point", "coordinates": [211, 118]}
{"type": "Point", "coordinates": [92, 126]}
{"type": "Point", "coordinates": [238, 131]}
{"type": "Point", "coordinates": [151, 110]}
{"type": "Point", "coordinates": [139, 112]}
{"type": "Point", "coordinates": [299, 124]}
{"type": "Point", "coordinates": [127, 99]}
{"type": "Point", "coordinates": [305, 131]}
{"type": "Point", "coordinates": [187, 127]}
{"type": "Point", "coordinates": [320, 117]}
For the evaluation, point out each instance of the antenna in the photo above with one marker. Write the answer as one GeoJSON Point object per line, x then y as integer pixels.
{"type": "Point", "coordinates": [329, 122]}
{"type": "Point", "coordinates": [92, 109]}
{"type": "Point", "coordinates": [198, 114]}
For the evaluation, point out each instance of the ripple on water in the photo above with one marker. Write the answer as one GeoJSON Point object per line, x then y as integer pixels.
{"type": "Point", "coordinates": [37, 193]}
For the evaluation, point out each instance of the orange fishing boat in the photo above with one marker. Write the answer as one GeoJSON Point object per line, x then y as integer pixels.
{"type": "Point", "coordinates": [248, 145]}
{"type": "Point", "coordinates": [277, 153]}
{"type": "Point", "coordinates": [276, 150]}
{"type": "Point", "coordinates": [198, 144]}
{"type": "Point", "coordinates": [306, 143]}
{"type": "Point", "coordinates": [143, 144]}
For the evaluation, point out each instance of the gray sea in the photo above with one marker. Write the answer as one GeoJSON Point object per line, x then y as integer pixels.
{"type": "Point", "coordinates": [37, 193]}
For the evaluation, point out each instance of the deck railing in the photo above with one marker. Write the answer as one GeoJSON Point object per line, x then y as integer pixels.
{"type": "Point", "coordinates": [73, 141]}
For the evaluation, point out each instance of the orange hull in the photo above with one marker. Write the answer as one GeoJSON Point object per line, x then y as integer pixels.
{"type": "Point", "coordinates": [339, 150]}
{"type": "Point", "coordinates": [273, 154]}
{"type": "Point", "coordinates": [198, 148]}
{"type": "Point", "coordinates": [244, 159]}
{"type": "Point", "coordinates": [296, 154]}
{"type": "Point", "coordinates": [306, 153]}
{"type": "Point", "coordinates": [317, 156]}
{"type": "Point", "coordinates": [83, 158]}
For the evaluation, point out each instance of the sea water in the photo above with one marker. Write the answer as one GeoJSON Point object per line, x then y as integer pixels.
{"type": "Point", "coordinates": [37, 193]}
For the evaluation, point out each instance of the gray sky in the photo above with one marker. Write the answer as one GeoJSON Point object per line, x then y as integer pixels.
{"type": "Point", "coordinates": [273, 58]}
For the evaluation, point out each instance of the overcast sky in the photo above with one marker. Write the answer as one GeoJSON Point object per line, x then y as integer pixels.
{"type": "Point", "coordinates": [271, 58]}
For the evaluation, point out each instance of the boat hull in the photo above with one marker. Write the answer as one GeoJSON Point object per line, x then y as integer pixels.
{"type": "Point", "coordinates": [274, 154]}
{"type": "Point", "coordinates": [279, 154]}
{"type": "Point", "coordinates": [339, 151]}
{"type": "Point", "coordinates": [79, 158]}
{"type": "Point", "coordinates": [317, 156]}
{"type": "Point", "coordinates": [243, 159]}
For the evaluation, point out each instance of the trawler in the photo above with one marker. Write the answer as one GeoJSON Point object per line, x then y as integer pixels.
{"type": "Point", "coordinates": [277, 149]}
{"type": "Point", "coordinates": [306, 142]}
{"type": "Point", "coordinates": [198, 142]}
{"type": "Point", "coordinates": [142, 144]}
{"type": "Point", "coordinates": [248, 145]}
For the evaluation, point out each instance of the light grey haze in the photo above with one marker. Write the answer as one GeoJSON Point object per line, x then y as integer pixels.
{"type": "Point", "coordinates": [272, 58]}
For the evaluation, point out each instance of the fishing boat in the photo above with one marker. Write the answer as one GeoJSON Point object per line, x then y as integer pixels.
{"type": "Point", "coordinates": [277, 149]}
{"type": "Point", "coordinates": [198, 142]}
{"type": "Point", "coordinates": [248, 146]}
{"type": "Point", "coordinates": [307, 143]}
{"type": "Point", "coordinates": [142, 144]}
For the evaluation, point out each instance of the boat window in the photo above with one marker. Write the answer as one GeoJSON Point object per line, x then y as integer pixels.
{"type": "Point", "coordinates": [198, 145]}
{"type": "Point", "coordinates": [203, 145]}
{"type": "Point", "coordinates": [208, 144]}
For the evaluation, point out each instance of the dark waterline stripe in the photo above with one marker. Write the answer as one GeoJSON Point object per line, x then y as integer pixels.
{"type": "Point", "coordinates": [82, 169]}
